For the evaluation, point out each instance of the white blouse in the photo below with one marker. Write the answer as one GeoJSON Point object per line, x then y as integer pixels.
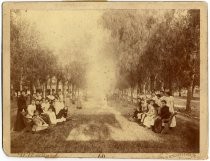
{"type": "Point", "coordinates": [31, 109]}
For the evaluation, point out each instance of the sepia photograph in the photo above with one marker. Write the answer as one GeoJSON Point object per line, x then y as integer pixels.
{"type": "Point", "coordinates": [106, 78]}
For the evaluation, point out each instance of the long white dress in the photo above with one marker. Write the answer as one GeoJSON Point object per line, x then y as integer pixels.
{"type": "Point", "coordinates": [45, 106]}
{"type": "Point", "coordinates": [150, 118]}
{"type": "Point", "coordinates": [53, 119]}
{"type": "Point", "coordinates": [170, 104]}
{"type": "Point", "coordinates": [58, 106]}
{"type": "Point", "coordinates": [31, 109]}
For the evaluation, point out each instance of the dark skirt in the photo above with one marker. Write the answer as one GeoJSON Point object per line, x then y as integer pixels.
{"type": "Point", "coordinates": [19, 123]}
{"type": "Point", "coordinates": [157, 128]}
{"type": "Point", "coordinates": [46, 118]}
{"type": "Point", "coordinates": [62, 113]}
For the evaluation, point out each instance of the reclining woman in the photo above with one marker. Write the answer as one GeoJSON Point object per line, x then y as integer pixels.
{"type": "Point", "coordinates": [60, 109]}
{"type": "Point", "coordinates": [45, 105]}
{"type": "Point", "coordinates": [38, 123]}
{"type": "Point", "coordinates": [151, 114]}
{"type": "Point", "coordinates": [52, 116]}
{"type": "Point", "coordinates": [42, 110]}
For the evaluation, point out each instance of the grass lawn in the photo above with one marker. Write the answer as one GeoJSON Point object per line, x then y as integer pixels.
{"type": "Point", "coordinates": [107, 132]}
{"type": "Point", "coordinates": [180, 106]}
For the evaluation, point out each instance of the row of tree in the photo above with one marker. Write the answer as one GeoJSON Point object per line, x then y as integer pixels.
{"type": "Point", "coordinates": [34, 65]}
{"type": "Point", "coordinates": [156, 50]}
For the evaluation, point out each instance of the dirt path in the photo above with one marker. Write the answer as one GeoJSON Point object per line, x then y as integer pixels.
{"type": "Point", "coordinates": [125, 131]}
{"type": "Point", "coordinates": [184, 136]}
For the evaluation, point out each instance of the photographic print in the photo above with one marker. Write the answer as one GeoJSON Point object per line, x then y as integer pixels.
{"type": "Point", "coordinates": [105, 79]}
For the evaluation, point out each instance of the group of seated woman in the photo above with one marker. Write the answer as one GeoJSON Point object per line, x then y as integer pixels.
{"type": "Point", "coordinates": [44, 112]}
{"type": "Point", "coordinates": [157, 113]}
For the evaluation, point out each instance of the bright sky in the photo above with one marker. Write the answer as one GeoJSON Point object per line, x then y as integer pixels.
{"type": "Point", "coordinates": [67, 31]}
{"type": "Point", "coordinates": [62, 30]}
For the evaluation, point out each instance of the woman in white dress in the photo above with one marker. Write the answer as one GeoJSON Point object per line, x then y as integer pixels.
{"type": "Point", "coordinates": [170, 103]}
{"type": "Point", "coordinates": [31, 108]}
{"type": "Point", "coordinates": [45, 105]}
{"type": "Point", "coordinates": [52, 117]}
{"type": "Point", "coordinates": [58, 106]}
{"type": "Point", "coordinates": [151, 115]}
{"type": "Point", "coordinates": [38, 123]}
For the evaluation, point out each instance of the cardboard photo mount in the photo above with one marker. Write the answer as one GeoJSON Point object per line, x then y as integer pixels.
{"type": "Point", "coordinates": [202, 6]}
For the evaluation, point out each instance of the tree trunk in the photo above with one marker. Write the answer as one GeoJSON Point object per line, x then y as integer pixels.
{"type": "Point", "coordinates": [44, 89]}
{"type": "Point", "coordinates": [193, 87]}
{"type": "Point", "coordinates": [144, 88]}
{"type": "Point", "coordinates": [132, 94]}
{"type": "Point", "coordinates": [123, 94]}
{"type": "Point", "coordinates": [162, 86]}
{"type": "Point", "coordinates": [180, 92]}
{"type": "Point", "coordinates": [155, 84]}
{"type": "Point", "coordinates": [152, 81]}
{"type": "Point", "coordinates": [34, 88]}
{"type": "Point", "coordinates": [57, 85]}
{"type": "Point", "coordinates": [170, 85]}
{"type": "Point", "coordinates": [39, 85]}
{"type": "Point", "coordinates": [68, 86]}
{"type": "Point", "coordinates": [72, 91]}
{"type": "Point", "coordinates": [50, 84]}
{"type": "Point", "coordinates": [139, 88]}
{"type": "Point", "coordinates": [63, 88]}
{"type": "Point", "coordinates": [189, 94]}
{"type": "Point", "coordinates": [31, 90]}
{"type": "Point", "coordinates": [21, 79]}
{"type": "Point", "coordinates": [11, 92]}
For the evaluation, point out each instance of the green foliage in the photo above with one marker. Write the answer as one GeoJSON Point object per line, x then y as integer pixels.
{"type": "Point", "coordinates": [34, 64]}
{"type": "Point", "coordinates": [156, 46]}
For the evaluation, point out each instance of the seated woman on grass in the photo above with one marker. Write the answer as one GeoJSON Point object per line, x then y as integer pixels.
{"type": "Point", "coordinates": [142, 115]}
{"type": "Point", "coordinates": [31, 108]}
{"type": "Point", "coordinates": [151, 114]}
{"type": "Point", "coordinates": [38, 123]}
{"type": "Point", "coordinates": [38, 106]}
{"type": "Point", "coordinates": [145, 110]}
{"type": "Point", "coordinates": [60, 109]}
{"type": "Point", "coordinates": [45, 105]}
{"type": "Point", "coordinates": [50, 97]}
{"type": "Point", "coordinates": [137, 110]}
{"type": "Point", "coordinates": [42, 112]}
{"type": "Point", "coordinates": [52, 116]}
